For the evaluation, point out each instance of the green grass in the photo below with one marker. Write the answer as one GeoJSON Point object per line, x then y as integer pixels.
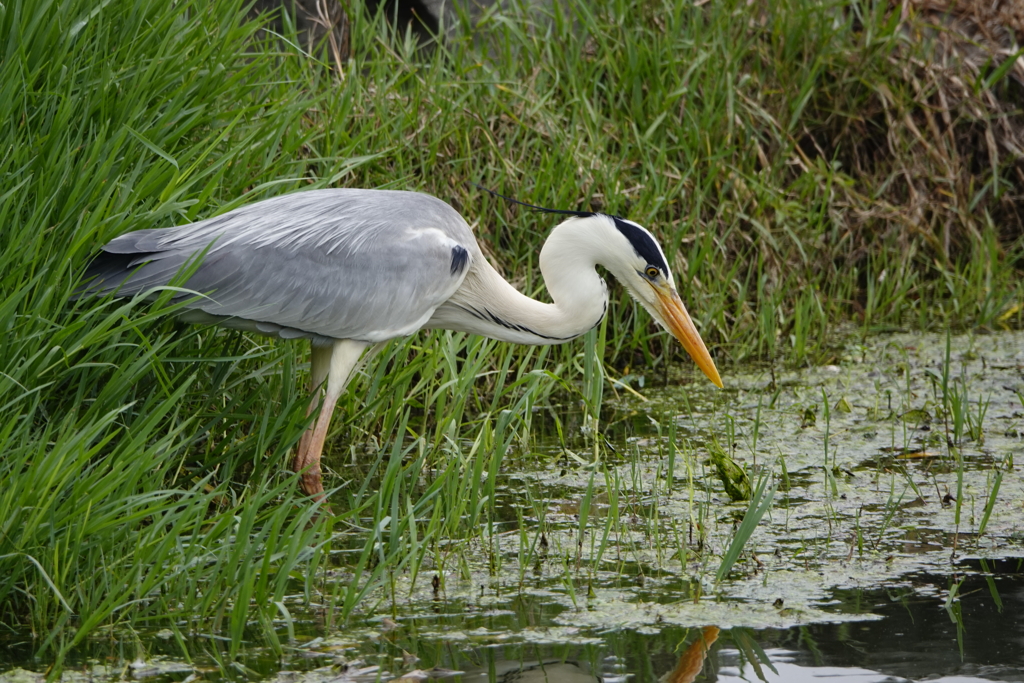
{"type": "Point", "coordinates": [142, 478]}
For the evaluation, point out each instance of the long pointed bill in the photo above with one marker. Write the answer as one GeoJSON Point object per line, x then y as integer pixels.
{"type": "Point", "coordinates": [678, 322]}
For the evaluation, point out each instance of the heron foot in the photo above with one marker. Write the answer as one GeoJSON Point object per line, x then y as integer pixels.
{"type": "Point", "coordinates": [307, 462]}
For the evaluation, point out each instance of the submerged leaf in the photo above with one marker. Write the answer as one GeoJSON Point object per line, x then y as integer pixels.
{"type": "Point", "coordinates": [733, 477]}
{"type": "Point", "coordinates": [916, 416]}
{"type": "Point", "coordinates": [810, 418]}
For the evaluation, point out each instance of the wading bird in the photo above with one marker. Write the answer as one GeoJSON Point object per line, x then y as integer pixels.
{"type": "Point", "coordinates": [348, 268]}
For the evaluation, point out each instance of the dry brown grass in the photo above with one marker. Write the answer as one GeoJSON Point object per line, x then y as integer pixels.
{"type": "Point", "coordinates": [939, 152]}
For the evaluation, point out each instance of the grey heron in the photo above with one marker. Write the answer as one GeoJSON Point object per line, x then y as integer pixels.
{"type": "Point", "coordinates": [351, 268]}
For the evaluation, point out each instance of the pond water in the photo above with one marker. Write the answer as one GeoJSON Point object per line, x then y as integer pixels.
{"type": "Point", "coordinates": [891, 547]}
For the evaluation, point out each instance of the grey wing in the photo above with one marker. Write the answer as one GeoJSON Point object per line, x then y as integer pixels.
{"type": "Point", "coordinates": [326, 264]}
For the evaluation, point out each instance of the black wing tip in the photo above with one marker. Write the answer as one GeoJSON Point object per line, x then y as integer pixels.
{"type": "Point", "coordinates": [542, 209]}
{"type": "Point", "coordinates": [106, 266]}
{"type": "Point", "coordinates": [109, 271]}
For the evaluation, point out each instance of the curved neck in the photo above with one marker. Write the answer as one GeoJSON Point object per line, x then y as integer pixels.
{"type": "Point", "coordinates": [486, 304]}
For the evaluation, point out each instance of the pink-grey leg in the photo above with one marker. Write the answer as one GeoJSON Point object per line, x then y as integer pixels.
{"type": "Point", "coordinates": [334, 363]}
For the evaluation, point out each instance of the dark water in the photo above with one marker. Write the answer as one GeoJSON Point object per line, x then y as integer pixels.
{"type": "Point", "coordinates": [980, 637]}
{"type": "Point", "coordinates": [921, 635]}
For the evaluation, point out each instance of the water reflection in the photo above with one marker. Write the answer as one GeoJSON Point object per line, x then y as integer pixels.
{"type": "Point", "coordinates": [975, 635]}
{"type": "Point", "coordinates": [611, 669]}
{"type": "Point", "coordinates": [691, 664]}
{"type": "Point", "coordinates": [540, 672]}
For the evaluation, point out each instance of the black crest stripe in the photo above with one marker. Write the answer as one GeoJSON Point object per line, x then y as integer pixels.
{"type": "Point", "coordinates": [564, 212]}
{"type": "Point", "coordinates": [643, 244]}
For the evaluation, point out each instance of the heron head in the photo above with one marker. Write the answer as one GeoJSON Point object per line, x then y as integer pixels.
{"type": "Point", "coordinates": [641, 266]}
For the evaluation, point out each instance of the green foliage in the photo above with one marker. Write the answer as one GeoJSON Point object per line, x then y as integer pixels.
{"type": "Point", "coordinates": [143, 479]}
{"type": "Point", "coordinates": [141, 472]}
{"type": "Point", "coordinates": [760, 503]}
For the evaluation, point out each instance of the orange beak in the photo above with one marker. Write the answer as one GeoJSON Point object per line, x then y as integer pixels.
{"type": "Point", "coordinates": [677, 320]}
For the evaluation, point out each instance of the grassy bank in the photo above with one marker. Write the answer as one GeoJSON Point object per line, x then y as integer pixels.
{"type": "Point", "coordinates": [773, 151]}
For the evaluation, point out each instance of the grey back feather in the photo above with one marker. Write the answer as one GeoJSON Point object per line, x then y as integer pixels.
{"type": "Point", "coordinates": [325, 264]}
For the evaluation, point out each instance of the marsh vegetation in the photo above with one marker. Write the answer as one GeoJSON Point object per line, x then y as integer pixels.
{"type": "Point", "coordinates": [775, 148]}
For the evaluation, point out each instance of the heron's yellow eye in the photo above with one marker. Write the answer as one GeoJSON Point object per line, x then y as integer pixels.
{"type": "Point", "coordinates": [652, 272]}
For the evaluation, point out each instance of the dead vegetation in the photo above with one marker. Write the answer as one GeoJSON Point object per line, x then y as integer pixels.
{"type": "Point", "coordinates": [910, 153]}
{"type": "Point", "coordinates": [943, 156]}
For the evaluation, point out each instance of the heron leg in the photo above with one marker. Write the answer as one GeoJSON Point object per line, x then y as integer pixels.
{"type": "Point", "coordinates": [336, 362]}
{"type": "Point", "coordinates": [319, 367]}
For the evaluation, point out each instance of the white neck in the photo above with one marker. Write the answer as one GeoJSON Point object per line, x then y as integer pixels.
{"type": "Point", "coordinates": [486, 304]}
